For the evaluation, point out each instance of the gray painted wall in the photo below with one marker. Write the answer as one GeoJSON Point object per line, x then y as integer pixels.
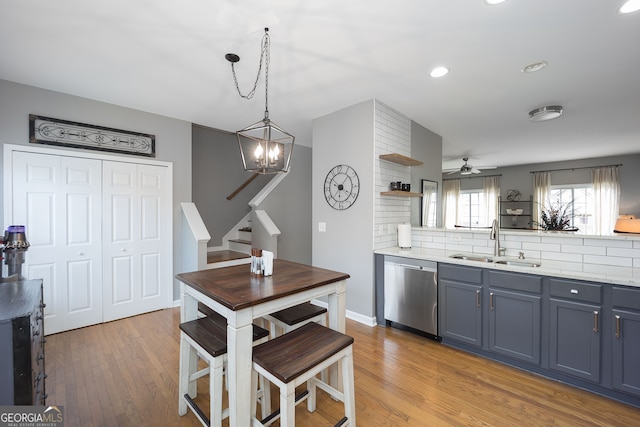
{"type": "Point", "coordinates": [173, 137]}
{"type": "Point", "coordinates": [346, 137]}
{"type": "Point", "coordinates": [426, 146]}
{"type": "Point", "coordinates": [217, 172]}
{"type": "Point", "coordinates": [289, 206]}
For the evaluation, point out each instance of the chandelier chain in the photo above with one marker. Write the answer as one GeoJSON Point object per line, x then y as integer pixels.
{"type": "Point", "coordinates": [264, 59]}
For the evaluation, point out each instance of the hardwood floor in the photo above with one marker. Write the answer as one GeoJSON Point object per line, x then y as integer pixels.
{"type": "Point", "coordinates": [125, 373]}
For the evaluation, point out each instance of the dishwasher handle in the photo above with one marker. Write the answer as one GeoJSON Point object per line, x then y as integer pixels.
{"type": "Point", "coordinates": [415, 267]}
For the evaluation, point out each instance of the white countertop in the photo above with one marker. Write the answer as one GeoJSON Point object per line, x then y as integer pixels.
{"type": "Point", "coordinates": [439, 255]}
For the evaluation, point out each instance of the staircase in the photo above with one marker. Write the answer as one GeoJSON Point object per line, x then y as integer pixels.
{"type": "Point", "coordinates": [236, 244]}
{"type": "Point", "coordinates": [243, 242]}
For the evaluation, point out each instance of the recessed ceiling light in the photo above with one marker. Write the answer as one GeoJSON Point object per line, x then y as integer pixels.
{"type": "Point", "coordinates": [439, 72]}
{"type": "Point", "coordinates": [630, 6]}
{"type": "Point", "coordinates": [536, 66]}
{"type": "Point", "coordinates": [545, 113]}
{"type": "Point", "coordinates": [494, 2]}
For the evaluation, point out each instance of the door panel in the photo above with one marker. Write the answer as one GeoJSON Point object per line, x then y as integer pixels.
{"type": "Point", "coordinates": [137, 251]}
{"type": "Point", "coordinates": [58, 199]}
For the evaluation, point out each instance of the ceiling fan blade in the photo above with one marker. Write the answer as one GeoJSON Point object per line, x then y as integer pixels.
{"type": "Point", "coordinates": [474, 170]}
{"type": "Point", "coordinates": [487, 167]}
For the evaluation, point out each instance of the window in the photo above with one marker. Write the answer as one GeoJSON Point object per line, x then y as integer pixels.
{"type": "Point", "coordinates": [470, 208]}
{"type": "Point", "coordinates": [582, 208]}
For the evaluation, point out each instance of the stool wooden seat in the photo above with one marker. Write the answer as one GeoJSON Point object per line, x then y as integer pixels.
{"type": "Point", "coordinates": [207, 338]}
{"type": "Point", "coordinates": [297, 357]}
{"type": "Point", "coordinates": [296, 316]}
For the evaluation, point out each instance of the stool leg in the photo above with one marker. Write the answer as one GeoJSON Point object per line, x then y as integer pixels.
{"type": "Point", "coordinates": [254, 393]}
{"type": "Point", "coordinates": [287, 405]}
{"type": "Point", "coordinates": [311, 396]}
{"type": "Point", "coordinates": [265, 402]}
{"type": "Point", "coordinates": [188, 366]}
{"type": "Point", "coordinates": [272, 330]}
{"type": "Point", "coordinates": [348, 387]}
{"type": "Point", "coordinates": [215, 391]}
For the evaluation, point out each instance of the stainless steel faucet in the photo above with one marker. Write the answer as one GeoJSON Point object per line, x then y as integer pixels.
{"type": "Point", "coordinates": [495, 235]}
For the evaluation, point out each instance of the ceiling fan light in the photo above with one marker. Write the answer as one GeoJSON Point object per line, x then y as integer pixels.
{"type": "Point", "coordinates": [545, 113]}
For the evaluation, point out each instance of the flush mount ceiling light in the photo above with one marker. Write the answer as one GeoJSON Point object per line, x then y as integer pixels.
{"type": "Point", "coordinates": [545, 113]}
{"type": "Point", "coordinates": [536, 66]}
{"type": "Point", "coordinates": [265, 148]}
{"type": "Point", "coordinates": [439, 72]}
{"type": "Point", "coordinates": [494, 2]}
{"type": "Point", "coordinates": [630, 6]}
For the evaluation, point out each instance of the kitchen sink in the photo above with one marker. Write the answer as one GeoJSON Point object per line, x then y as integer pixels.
{"type": "Point", "coordinates": [472, 258]}
{"type": "Point", "coordinates": [518, 263]}
{"type": "Point", "coordinates": [480, 258]}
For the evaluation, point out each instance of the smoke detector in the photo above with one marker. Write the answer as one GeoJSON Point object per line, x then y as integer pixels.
{"type": "Point", "coordinates": [545, 113]}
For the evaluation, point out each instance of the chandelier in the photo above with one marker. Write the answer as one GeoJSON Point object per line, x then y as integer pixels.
{"type": "Point", "coordinates": [265, 147]}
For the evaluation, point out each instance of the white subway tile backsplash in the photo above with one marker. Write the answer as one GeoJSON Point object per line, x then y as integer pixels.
{"type": "Point", "coordinates": [579, 249]}
{"type": "Point", "coordinates": [599, 257]}
{"type": "Point", "coordinates": [542, 247]}
{"type": "Point", "coordinates": [623, 252]}
{"type": "Point", "coordinates": [607, 260]}
{"type": "Point", "coordinates": [608, 243]}
{"type": "Point", "coordinates": [561, 256]}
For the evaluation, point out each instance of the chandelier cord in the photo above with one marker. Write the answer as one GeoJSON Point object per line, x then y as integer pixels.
{"type": "Point", "coordinates": [264, 59]}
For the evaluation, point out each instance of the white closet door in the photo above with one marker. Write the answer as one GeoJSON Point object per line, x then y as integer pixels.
{"type": "Point", "coordinates": [137, 230]}
{"type": "Point", "coordinates": [59, 201]}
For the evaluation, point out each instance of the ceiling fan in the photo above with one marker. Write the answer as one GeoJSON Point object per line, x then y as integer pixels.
{"type": "Point", "coordinates": [468, 169]}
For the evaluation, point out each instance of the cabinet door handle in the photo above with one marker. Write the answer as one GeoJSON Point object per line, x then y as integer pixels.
{"type": "Point", "coordinates": [618, 331]}
{"type": "Point", "coordinates": [595, 321]}
{"type": "Point", "coordinates": [491, 301]}
{"type": "Point", "coordinates": [478, 298]}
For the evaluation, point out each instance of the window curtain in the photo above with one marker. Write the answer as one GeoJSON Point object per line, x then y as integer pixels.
{"type": "Point", "coordinates": [606, 197]}
{"type": "Point", "coordinates": [491, 193]}
{"type": "Point", "coordinates": [427, 200]}
{"type": "Point", "coordinates": [450, 196]}
{"type": "Point", "coordinates": [541, 191]}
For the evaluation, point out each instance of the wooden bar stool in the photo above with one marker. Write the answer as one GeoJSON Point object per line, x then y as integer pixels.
{"type": "Point", "coordinates": [206, 338]}
{"type": "Point", "coordinates": [297, 357]}
{"type": "Point", "coordinates": [296, 316]}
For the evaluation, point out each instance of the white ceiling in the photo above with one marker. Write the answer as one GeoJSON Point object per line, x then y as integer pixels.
{"type": "Point", "coordinates": [167, 57]}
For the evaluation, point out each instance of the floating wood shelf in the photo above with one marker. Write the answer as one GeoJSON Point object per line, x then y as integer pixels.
{"type": "Point", "coordinates": [400, 193]}
{"type": "Point", "coordinates": [400, 159]}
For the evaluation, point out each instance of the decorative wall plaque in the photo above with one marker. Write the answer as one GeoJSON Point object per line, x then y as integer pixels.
{"type": "Point", "coordinates": [50, 131]}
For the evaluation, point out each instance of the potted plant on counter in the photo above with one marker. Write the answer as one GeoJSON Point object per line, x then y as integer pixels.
{"type": "Point", "coordinates": [556, 216]}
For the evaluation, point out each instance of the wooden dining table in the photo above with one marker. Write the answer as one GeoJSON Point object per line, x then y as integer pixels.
{"type": "Point", "coordinates": [242, 297]}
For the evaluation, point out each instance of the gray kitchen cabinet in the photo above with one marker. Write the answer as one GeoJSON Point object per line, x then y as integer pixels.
{"type": "Point", "coordinates": [583, 333]}
{"type": "Point", "coordinates": [514, 315]}
{"type": "Point", "coordinates": [575, 336]}
{"type": "Point", "coordinates": [460, 302]}
{"type": "Point", "coordinates": [626, 340]}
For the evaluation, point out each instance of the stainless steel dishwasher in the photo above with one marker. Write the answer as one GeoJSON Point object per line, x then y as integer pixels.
{"type": "Point", "coordinates": [411, 294]}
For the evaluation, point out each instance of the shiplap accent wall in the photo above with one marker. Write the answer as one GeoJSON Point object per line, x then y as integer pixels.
{"type": "Point", "coordinates": [597, 256]}
{"type": "Point", "coordinates": [392, 135]}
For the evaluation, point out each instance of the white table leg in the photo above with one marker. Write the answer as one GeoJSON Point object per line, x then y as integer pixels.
{"type": "Point", "coordinates": [239, 347]}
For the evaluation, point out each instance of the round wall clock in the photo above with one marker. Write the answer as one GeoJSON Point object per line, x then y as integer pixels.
{"type": "Point", "coordinates": [341, 187]}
